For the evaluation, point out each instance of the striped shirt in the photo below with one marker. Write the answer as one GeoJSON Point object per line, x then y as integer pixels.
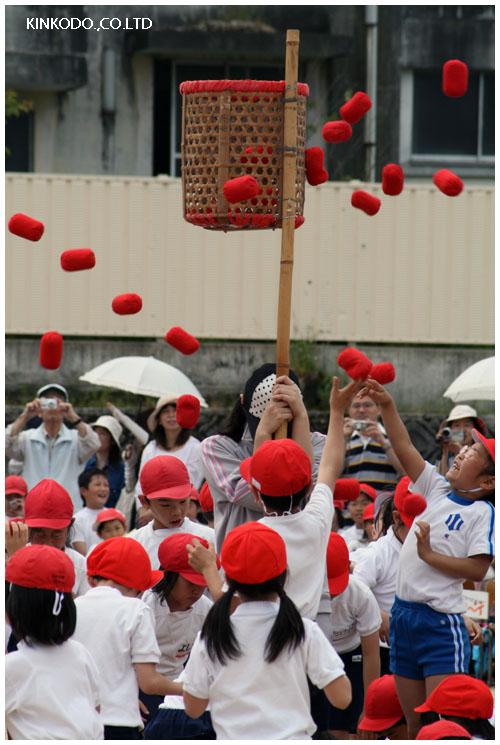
{"type": "Point", "coordinates": [367, 462]}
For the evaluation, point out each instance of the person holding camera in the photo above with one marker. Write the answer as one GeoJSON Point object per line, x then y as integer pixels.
{"type": "Point", "coordinates": [52, 450]}
{"type": "Point", "coordinates": [455, 432]}
{"type": "Point", "coordinates": [369, 455]}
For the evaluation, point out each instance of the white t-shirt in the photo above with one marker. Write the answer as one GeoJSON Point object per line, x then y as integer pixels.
{"type": "Point", "coordinates": [189, 454]}
{"type": "Point", "coordinates": [51, 693]}
{"type": "Point", "coordinates": [377, 565]}
{"type": "Point", "coordinates": [82, 527]}
{"type": "Point", "coordinates": [251, 699]}
{"type": "Point", "coordinates": [151, 539]}
{"type": "Point", "coordinates": [175, 631]}
{"type": "Point", "coordinates": [459, 527]}
{"type": "Point", "coordinates": [306, 535]}
{"type": "Point", "coordinates": [118, 632]}
{"type": "Point", "coordinates": [351, 533]}
{"type": "Point", "coordinates": [355, 613]}
{"type": "Point", "coordinates": [81, 585]}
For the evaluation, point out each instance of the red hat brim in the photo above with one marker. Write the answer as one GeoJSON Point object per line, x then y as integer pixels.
{"type": "Point", "coordinates": [336, 585]}
{"type": "Point", "coordinates": [195, 577]}
{"type": "Point", "coordinates": [376, 725]}
{"type": "Point", "coordinates": [245, 469]}
{"type": "Point", "coordinates": [48, 522]}
{"type": "Point", "coordinates": [183, 491]}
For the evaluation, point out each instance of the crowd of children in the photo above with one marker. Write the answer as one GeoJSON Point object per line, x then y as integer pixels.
{"type": "Point", "coordinates": [301, 629]}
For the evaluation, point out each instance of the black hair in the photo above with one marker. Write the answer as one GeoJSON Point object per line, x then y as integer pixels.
{"type": "Point", "coordinates": [480, 727]}
{"type": "Point", "coordinates": [234, 424]}
{"type": "Point", "coordinates": [69, 536]}
{"type": "Point", "coordinates": [281, 504]}
{"type": "Point", "coordinates": [115, 454]}
{"type": "Point", "coordinates": [287, 630]}
{"type": "Point", "coordinates": [165, 585]}
{"type": "Point", "coordinates": [160, 437]}
{"type": "Point", "coordinates": [29, 610]}
{"type": "Point", "coordinates": [86, 477]}
{"type": "Point", "coordinates": [340, 517]}
{"type": "Point", "coordinates": [386, 511]}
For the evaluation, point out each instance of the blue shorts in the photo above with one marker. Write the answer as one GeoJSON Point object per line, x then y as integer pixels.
{"type": "Point", "coordinates": [425, 642]}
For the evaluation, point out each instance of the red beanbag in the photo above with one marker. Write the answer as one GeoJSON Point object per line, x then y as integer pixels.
{"type": "Point", "coordinates": [336, 131]}
{"type": "Point", "coordinates": [392, 179]}
{"type": "Point", "coordinates": [383, 372]}
{"type": "Point", "coordinates": [366, 202]}
{"type": "Point", "coordinates": [77, 259]}
{"type": "Point", "coordinates": [455, 78]}
{"type": "Point", "coordinates": [409, 505]}
{"type": "Point", "coordinates": [26, 227]}
{"type": "Point", "coordinates": [447, 182]}
{"type": "Point", "coordinates": [181, 340]}
{"type": "Point", "coordinates": [187, 411]}
{"type": "Point", "coordinates": [315, 172]}
{"type": "Point", "coordinates": [51, 350]}
{"type": "Point", "coordinates": [354, 362]}
{"type": "Point", "coordinates": [206, 499]}
{"type": "Point", "coordinates": [355, 108]}
{"type": "Point", "coordinates": [240, 189]}
{"type": "Point", "coordinates": [127, 304]}
{"type": "Point", "coordinates": [346, 490]}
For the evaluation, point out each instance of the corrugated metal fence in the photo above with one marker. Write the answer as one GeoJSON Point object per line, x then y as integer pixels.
{"type": "Point", "coordinates": [420, 271]}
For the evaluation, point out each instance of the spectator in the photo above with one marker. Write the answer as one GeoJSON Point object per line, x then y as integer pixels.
{"type": "Point", "coordinates": [52, 450]}
{"type": "Point", "coordinates": [356, 509]}
{"type": "Point", "coordinates": [16, 490]}
{"type": "Point", "coordinates": [455, 432]}
{"type": "Point", "coordinates": [94, 488]}
{"type": "Point", "coordinates": [109, 458]}
{"type": "Point", "coordinates": [369, 456]}
{"type": "Point", "coordinates": [255, 417]}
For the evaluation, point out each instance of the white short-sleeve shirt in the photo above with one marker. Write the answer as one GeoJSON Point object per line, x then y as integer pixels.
{"type": "Point", "coordinates": [51, 693]}
{"type": "Point", "coordinates": [82, 527]}
{"type": "Point", "coordinates": [252, 699]}
{"type": "Point", "coordinates": [151, 539]}
{"type": "Point", "coordinates": [306, 535]}
{"type": "Point", "coordinates": [118, 631]}
{"type": "Point", "coordinates": [459, 527]}
{"type": "Point", "coordinates": [355, 613]}
{"type": "Point", "coordinates": [81, 585]}
{"type": "Point", "coordinates": [377, 566]}
{"type": "Point", "coordinates": [175, 631]}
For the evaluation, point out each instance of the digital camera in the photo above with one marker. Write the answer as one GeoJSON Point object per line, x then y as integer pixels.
{"type": "Point", "coordinates": [49, 403]}
{"type": "Point", "coordinates": [360, 424]}
{"type": "Point", "coordinates": [452, 435]}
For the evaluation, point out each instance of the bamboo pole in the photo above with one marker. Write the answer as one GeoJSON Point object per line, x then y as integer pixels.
{"type": "Point", "coordinates": [288, 208]}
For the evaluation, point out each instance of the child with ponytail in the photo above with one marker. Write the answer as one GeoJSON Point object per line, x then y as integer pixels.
{"type": "Point", "coordinates": [252, 666]}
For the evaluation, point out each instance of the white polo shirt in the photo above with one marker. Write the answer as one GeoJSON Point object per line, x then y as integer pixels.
{"type": "Point", "coordinates": [459, 527]}
{"type": "Point", "coordinates": [175, 631]}
{"type": "Point", "coordinates": [82, 527]}
{"type": "Point", "coordinates": [151, 539]}
{"type": "Point", "coordinates": [252, 699]}
{"type": "Point", "coordinates": [118, 632]}
{"type": "Point", "coordinates": [377, 565]}
{"type": "Point", "coordinates": [81, 585]}
{"type": "Point", "coordinates": [306, 535]}
{"type": "Point", "coordinates": [355, 613]}
{"type": "Point", "coordinates": [51, 693]}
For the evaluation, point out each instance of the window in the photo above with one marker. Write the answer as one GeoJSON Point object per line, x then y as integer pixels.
{"type": "Point", "coordinates": [460, 129]}
{"type": "Point", "coordinates": [19, 143]}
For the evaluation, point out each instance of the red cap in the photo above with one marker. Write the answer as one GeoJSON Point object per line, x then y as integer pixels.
{"type": "Point", "coordinates": [369, 512]}
{"type": "Point", "coordinates": [279, 468]}
{"type": "Point", "coordinates": [165, 477]}
{"type": "Point", "coordinates": [206, 500]}
{"type": "Point", "coordinates": [48, 505]}
{"type": "Point", "coordinates": [339, 503]}
{"type": "Point", "coordinates": [337, 564]}
{"type": "Point", "coordinates": [15, 485]}
{"type": "Point", "coordinates": [441, 729]}
{"type": "Point", "coordinates": [347, 490]}
{"type": "Point", "coordinates": [110, 514]}
{"type": "Point", "coordinates": [489, 443]}
{"type": "Point", "coordinates": [252, 553]}
{"type": "Point", "coordinates": [460, 696]}
{"type": "Point", "coordinates": [123, 560]}
{"type": "Point", "coordinates": [173, 556]}
{"type": "Point", "coordinates": [382, 707]}
{"type": "Point", "coordinates": [43, 567]}
{"type": "Point", "coordinates": [368, 491]}
{"type": "Point", "coordinates": [194, 494]}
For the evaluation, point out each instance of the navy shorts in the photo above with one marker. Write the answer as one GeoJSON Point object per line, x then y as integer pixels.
{"type": "Point", "coordinates": [426, 642]}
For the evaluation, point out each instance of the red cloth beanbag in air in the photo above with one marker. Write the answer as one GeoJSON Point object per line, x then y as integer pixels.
{"type": "Point", "coordinates": [383, 372]}
{"type": "Point", "coordinates": [355, 108]}
{"type": "Point", "coordinates": [336, 131]}
{"type": "Point", "coordinates": [447, 182]}
{"type": "Point", "coordinates": [127, 304]}
{"type": "Point", "coordinates": [392, 179]}
{"type": "Point", "coordinates": [366, 202]}
{"type": "Point", "coordinates": [26, 227]}
{"type": "Point", "coordinates": [187, 411]}
{"type": "Point", "coordinates": [181, 340]}
{"type": "Point", "coordinates": [455, 78]}
{"type": "Point", "coordinates": [354, 362]}
{"type": "Point", "coordinates": [51, 350]}
{"type": "Point", "coordinates": [77, 259]}
{"type": "Point", "coordinates": [315, 172]}
{"type": "Point", "coordinates": [240, 189]}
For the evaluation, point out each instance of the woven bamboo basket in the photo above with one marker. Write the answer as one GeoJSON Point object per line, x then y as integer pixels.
{"type": "Point", "coordinates": [232, 128]}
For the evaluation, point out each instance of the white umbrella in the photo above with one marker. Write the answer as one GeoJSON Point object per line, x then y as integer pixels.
{"type": "Point", "coordinates": [475, 383]}
{"type": "Point", "coordinates": [146, 376]}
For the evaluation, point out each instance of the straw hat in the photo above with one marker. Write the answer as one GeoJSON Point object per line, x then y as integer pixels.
{"type": "Point", "coordinates": [168, 398]}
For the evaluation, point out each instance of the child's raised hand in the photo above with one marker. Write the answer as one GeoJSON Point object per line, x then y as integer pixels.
{"type": "Point", "coordinates": [16, 536]}
{"type": "Point", "coordinates": [423, 536]}
{"type": "Point", "coordinates": [376, 392]}
{"type": "Point", "coordinates": [201, 558]}
{"type": "Point", "coordinates": [340, 398]}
